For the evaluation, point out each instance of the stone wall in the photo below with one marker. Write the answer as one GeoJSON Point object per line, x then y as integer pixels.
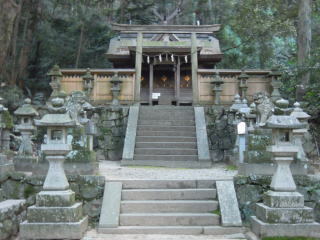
{"type": "Point", "coordinates": [88, 188]}
{"type": "Point", "coordinates": [250, 191]}
{"type": "Point", "coordinates": [111, 128]}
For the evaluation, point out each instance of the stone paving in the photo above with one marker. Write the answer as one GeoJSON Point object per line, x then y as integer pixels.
{"type": "Point", "coordinates": [113, 171]}
{"type": "Point", "coordinates": [93, 235]}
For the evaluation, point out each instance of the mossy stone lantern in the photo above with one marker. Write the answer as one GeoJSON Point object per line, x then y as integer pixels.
{"type": "Point", "coordinates": [55, 83]}
{"type": "Point", "coordinates": [243, 83]}
{"type": "Point", "coordinates": [26, 114]}
{"type": "Point", "coordinates": [56, 147]}
{"type": "Point", "coordinates": [88, 81]}
{"type": "Point", "coordinates": [298, 134]}
{"type": "Point", "coordinates": [115, 81]}
{"type": "Point", "coordinates": [275, 74]}
{"type": "Point", "coordinates": [283, 150]}
{"type": "Point", "coordinates": [217, 83]}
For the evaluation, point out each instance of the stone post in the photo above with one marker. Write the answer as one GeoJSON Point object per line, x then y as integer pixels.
{"type": "Point", "coordinates": [216, 83]}
{"type": "Point", "coordinates": [298, 134]}
{"type": "Point", "coordinates": [25, 159]}
{"type": "Point", "coordinates": [282, 212]}
{"type": "Point", "coordinates": [56, 215]}
{"type": "Point", "coordinates": [137, 85]}
{"type": "Point", "coordinates": [194, 68]}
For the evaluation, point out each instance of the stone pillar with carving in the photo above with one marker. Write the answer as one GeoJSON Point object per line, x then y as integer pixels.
{"type": "Point", "coordinates": [56, 215]}
{"type": "Point", "coordinates": [243, 84]}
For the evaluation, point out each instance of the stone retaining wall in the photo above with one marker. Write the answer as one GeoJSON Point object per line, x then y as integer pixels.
{"type": "Point", "coordinates": [250, 191]}
{"type": "Point", "coordinates": [88, 188]}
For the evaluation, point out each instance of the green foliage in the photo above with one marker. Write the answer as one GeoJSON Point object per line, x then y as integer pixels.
{"type": "Point", "coordinates": [217, 212]}
{"type": "Point", "coordinates": [7, 120]}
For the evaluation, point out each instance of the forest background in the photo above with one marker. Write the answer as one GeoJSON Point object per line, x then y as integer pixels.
{"type": "Point", "coordinates": [36, 34]}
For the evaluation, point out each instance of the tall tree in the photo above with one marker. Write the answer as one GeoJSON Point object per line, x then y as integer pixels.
{"type": "Point", "coordinates": [8, 12]}
{"type": "Point", "coordinates": [304, 45]}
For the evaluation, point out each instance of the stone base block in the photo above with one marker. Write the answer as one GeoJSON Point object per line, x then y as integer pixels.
{"type": "Point", "coordinates": [62, 230]}
{"type": "Point", "coordinates": [24, 163]}
{"type": "Point", "coordinates": [75, 168]}
{"type": "Point", "coordinates": [6, 168]}
{"type": "Point", "coordinates": [55, 198]}
{"type": "Point", "coordinates": [248, 169]}
{"type": "Point", "coordinates": [284, 215]}
{"type": "Point", "coordinates": [283, 199]}
{"type": "Point", "coordinates": [262, 229]}
{"type": "Point", "coordinates": [55, 214]}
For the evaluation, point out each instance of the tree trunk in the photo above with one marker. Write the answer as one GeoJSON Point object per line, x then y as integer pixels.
{"type": "Point", "coordinates": [80, 45]}
{"type": "Point", "coordinates": [8, 13]}
{"type": "Point", "coordinates": [14, 41]}
{"type": "Point", "coordinates": [304, 44]}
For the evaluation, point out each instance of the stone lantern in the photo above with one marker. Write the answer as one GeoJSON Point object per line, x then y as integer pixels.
{"type": "Point", "coordinates": [88, 82]}
{"type": "Point", "coordinates": [282, 212]}
{"type": "Point", "coordinates": [216, 83]}
{"type": "Point", "coordinates": [25, 114]}
{"type": "Point", "coordinates": [275, 83]}
{"type": "Point", "coordinates": [115, 81]}
{"type": "Point", "coordinates": [298, 134]}
{"type": "Point", "coordinates": [243, 83]}
{"type": "Point", "coordinates": [55, 83]}
{"type": "Point", "coordinates": [56, 214]}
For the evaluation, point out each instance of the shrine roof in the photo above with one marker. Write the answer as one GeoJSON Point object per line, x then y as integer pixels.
{"type": "Point", "coordinates": [128, 28]}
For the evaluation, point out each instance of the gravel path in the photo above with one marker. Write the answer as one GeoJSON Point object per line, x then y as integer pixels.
{"type": "Point", "coordinates": [113, 171]}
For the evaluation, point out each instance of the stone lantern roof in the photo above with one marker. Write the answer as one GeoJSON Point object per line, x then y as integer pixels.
{"type": "Point", "coordinates": [57, 120]}
{"type": "Point", "coordinates": [284, 122]}
{"type": "Point", "coordinates": [26, 109]}
{"type": "Point", "coordinates": [299, 113]}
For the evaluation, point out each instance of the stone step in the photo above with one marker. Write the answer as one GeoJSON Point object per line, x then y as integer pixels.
{"type": "Point", "coordinates": [166, 133]}
{"type": "Point", "coordinates": [165, 157]}
{"type": "Point", "coordinates": [166, 151]}
{"type": "Point", "coordinates": [169, 194]}
{"type": "Point", "coordinates": [167, 116]}
{"type": "Point", "coordinates": [165, 139]}
{"type": "Point", "coordinates": [171, 219]}
{"type": "Point", "coordinates": [166, 128]}
{"type": "Point", "coordinates": [176, 230]}
{"type": "Point", "coordinates": [167, 184]}
{"type": "Point", "coordinates": [189, 145]}
{"type": "Point", "coordinates": [168, 163]}
{"type": "Point", "coordinates": [167, 206]}
{"type": "Point", "coordinates": [167, 122]}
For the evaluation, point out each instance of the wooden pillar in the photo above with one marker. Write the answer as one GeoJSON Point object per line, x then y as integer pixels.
{"type": "Point", "coordinates": [137, 84]}
{"type": "Point", "coordinates": [178, 81]}
{"type": "Point", "coordinates": [150, 83]}
{"type": "Point", "coordinates": [194, 68]}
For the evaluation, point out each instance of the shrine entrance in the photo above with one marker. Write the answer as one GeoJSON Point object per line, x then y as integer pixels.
{"type": "Point", "coordinates": [167, 83]}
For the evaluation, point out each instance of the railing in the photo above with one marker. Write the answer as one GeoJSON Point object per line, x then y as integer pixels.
{"type": "Point", "coordinates": [72, 81]}
{"type": "Point", "coordinates": [258, 81]}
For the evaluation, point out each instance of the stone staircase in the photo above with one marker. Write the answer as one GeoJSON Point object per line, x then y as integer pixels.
{"type": "Point", "coordinates": [168, 207]}
{"type": "Point", "coordinates": [166, 136]}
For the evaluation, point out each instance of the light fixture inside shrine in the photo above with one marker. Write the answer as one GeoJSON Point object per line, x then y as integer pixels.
{"type": "Point", "coordinates": [142, 78]}
{"type": "Point", "coordinates": [164, 78]}
{"type": "Point", "coordinates": [187, 79]}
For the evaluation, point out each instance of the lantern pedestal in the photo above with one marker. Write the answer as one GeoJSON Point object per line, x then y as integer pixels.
{"type": "Point", "coordinates": [282, 212]}
{"type": "Point", "coordinates": [5, 165]}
